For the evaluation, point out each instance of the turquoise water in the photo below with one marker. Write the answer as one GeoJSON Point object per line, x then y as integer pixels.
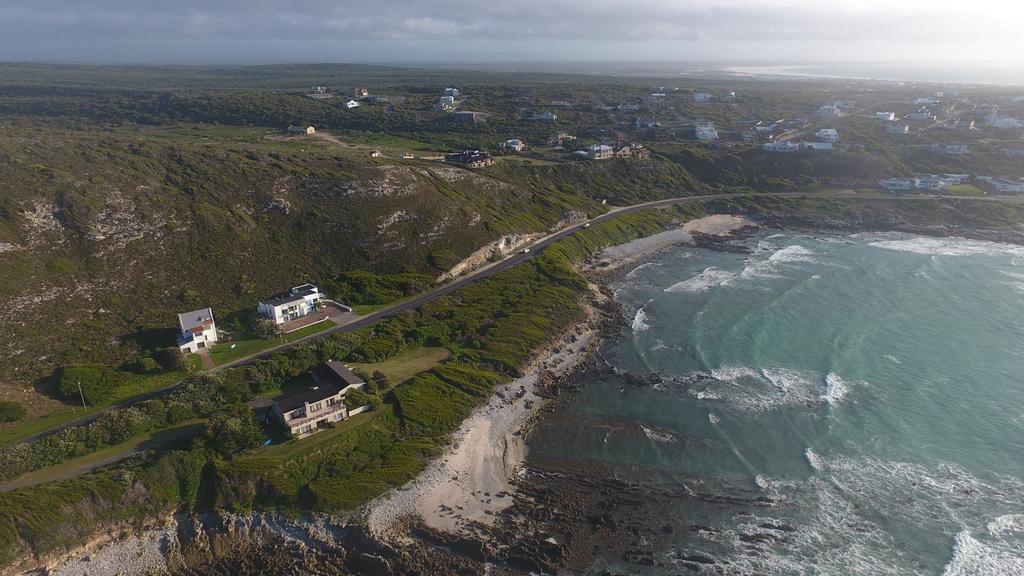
{"type": "Point", "coordinates": [871, 385]}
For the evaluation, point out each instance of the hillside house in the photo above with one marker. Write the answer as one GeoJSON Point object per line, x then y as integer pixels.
{"type": "Point", "coordinates": [543, 117]}
{"type": "Point", "coordinates": [470, 158]}
{"type": "Point", "coordinates": [828, 134]}
{"type": "Point", "coordinates": [307, 411]}
{"type": "Point", "coordinates": [513, 145]}
{"type": "Point", "coordinates": [469, 117]}
{"type": "Point", "coordinates": [1005, 185]}
{"type": "Point", "coordinates": [451, 93]}
{"type": "Point", "coordinates": [817, 146]}
{"type": "Point", "coordinates": [445, 104]}
{"type": "Point", "coordinates": [407, 156]}
{"type": "Point", "coordinates": [705, 130]}
{"type": "Point", "coordinates": [647, 123]}
{"type": "Point", "coordinates": [829, 110]}
{"type": "Point", "coordinates": [885, 116]}
{"type": "Point", "coordinates": [198, 330]}
{"type": "Point", "coordinates": [897, 129]}
{"type": "Point", "coordinates": [701, 97]}
{"type": "Point", "coordinates": [896, 184]}
{"type": "Point", "coordinates": [921, 115]}
{"type": "Point", "coordinates": [600, 152]}
{"type": "Point", "coordinates": [296, 303]}
{"type": "Point", "coordinates": [777, 147]}
{"type": "Point", "coordinates": [375, 154]}
{"type": "Point", "coordinates": [360, 92]}
{"type": "Point", "coordinates": [728, 96]}
{"type": "Point", "coordinates": [951, 149]}
{"type": "Point", "coordinates": [301, 130]}
{"type": "Point", "coordinates": [351, 104]}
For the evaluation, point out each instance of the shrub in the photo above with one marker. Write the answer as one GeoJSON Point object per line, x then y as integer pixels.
{"type": "Point", "coordinates": [11, 411]}
{"type": "Point", "coordinates": [97, 383]}
{"type": "Point", "coordinates": [265, 328]}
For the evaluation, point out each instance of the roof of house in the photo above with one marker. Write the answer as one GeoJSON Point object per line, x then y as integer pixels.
{"type": "Point", "coordinates": [313, 394]}
{"type": "Point", "coordinates": [194, 319]}
{"type": "Point", "coordinates": [334, 371]}
{"type": "Point", "coordinates": [294, 295]}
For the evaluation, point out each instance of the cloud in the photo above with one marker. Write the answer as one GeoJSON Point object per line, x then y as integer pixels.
{"type": "Point", "coordinates": [615, 27]}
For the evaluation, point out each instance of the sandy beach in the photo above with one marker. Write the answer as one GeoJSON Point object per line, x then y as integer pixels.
{"type": "Point", "coordinates": [472, 481]}
{"type": "Point", "coordinates": [615, 257]}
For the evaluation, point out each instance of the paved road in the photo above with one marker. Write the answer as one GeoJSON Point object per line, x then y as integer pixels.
{"type": "Point", "coordinates": [490, 270]}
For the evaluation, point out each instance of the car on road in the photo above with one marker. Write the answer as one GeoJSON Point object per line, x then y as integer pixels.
{"type": "Point", "coordinates": [587, 225]}
{"type": "Point", "coordinates": [525, 251]}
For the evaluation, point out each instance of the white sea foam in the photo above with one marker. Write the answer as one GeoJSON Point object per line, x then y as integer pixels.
{"type": "Point", "coordinates": [705, 395]}
{"type": "Point", "coordinates": [632, 273]}
{"type": "Point", "coordinates": [1006, 524]}
{"type": "Point", "coordinates": [761, 482]}
{"type": "Point", "coordinates": [892, 359]}
{"type": "Point", "coordinates": [812, 459]}
{"type": "Point", "coordinates": [835, 389]}
{"type": "Point", "coordinates": [640, 321]}
{"type": "Point", "coordinates": [656, 435]}
{"type": "Point", "coordinates": [948, 246]}
{"type": "Point", "coordinates": [974, 558]}
{"type": "Point", "coordinates": [710, 278]}
{"type": "Point", "coordinates": [713, 419]}
{"type": "Point", "coordinates": [794, 253]}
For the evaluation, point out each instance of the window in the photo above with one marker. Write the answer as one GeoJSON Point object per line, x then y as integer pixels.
{"type": "Point", "coordinates": [297, 413]}
{"type": "Point", "coordinates": [315, 407]}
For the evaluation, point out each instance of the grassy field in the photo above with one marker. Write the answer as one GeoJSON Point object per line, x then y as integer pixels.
{"type": "Point", "coordinates": [134, 387]}
{"type": "Point", "coordinates": [225, 352]}
{"type": "Point", "coordinates": [965, 190]}
{"type": "Point", "coordinates": [405, 365]}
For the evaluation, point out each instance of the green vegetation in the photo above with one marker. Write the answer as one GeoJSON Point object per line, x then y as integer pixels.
{"type": "Point", "coordinates": [404, 365]}
{"type": "Point", "coordinates": [90, 384]}
{"type": "Point", "coordinates": [224, 352]}
{"type": "Point", "coordinates": [11, 411]}
{"type": "Point", "coordinates": [365, 288]}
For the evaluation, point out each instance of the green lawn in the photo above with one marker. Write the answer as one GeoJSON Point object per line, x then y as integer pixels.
{"type": "Point", "coordinates": [965, 190]}
{"type": "Point", "coordinates": [223, 352]}
{"type": "Point", "coordinates": [133, 387]}
{"type": "Point", "coordinates": [309, 444]}
{"type": "Point", "coordinates": [401, 367]}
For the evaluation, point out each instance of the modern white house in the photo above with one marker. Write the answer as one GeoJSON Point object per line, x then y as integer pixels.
{"type": "Point", "coordinates": [294, 304]}
{"type": "Point", "coordinates": [896, 184]}
{"type": "Point", "coordinates": [829, 110]}
{"type": "Point", "coordinates": [1006, 185]}
{"type": "Point", "coordinates": [828, 134]}
{"type": "Point", "coordinates": [452, 92]}
{"type": "Point", "coordinates": [307, 411]}
{"type": "Point", "coordinates": [301, 130]}
{"type": "Point", "coordinates": [351, 104]}
{"type": "Point", "coordinates": [885, 116]}
{"type": "Point", "coordinates": [198, 330]}
{"type": "Point", "coordinates": [783, 147]}
{"type": "Point", "coordinates": [514, 145]}
{"type": "Point", "coordinates": [817, 146]}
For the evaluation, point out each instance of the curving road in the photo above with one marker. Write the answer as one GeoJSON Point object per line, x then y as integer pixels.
{"type": "Point", "coordinates": [491, 270]}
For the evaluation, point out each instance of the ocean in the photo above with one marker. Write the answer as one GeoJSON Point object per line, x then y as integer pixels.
{"type": "Point", "coordinates": [869, 386]}
{"type": "Point", "coordinates": [994, 73]}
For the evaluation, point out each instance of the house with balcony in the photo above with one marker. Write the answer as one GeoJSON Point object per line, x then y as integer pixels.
{"type": "Point", "coordinates": [309, 410]}
{"type": "Point", "coordinates": [298, 302]}
{"type": "Point", "coordinates": [198, 330]}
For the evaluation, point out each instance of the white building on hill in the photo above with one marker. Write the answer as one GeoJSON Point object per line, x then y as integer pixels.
{"type": "Point", "coordinates": [296, 303]}
{"type": "Point", "coordinates": [198, 330]}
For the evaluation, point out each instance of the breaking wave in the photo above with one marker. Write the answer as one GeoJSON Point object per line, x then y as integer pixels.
{"type": "Point", "coordinates": [835, 388]}
{"type": "Point", "coordinates": [948, 246]}
{"type": "Point", "coordinates": [974, 558]}
{"type": "Point", "coordinates": [812, 459]}
{"type": "Point", "coordinates": [654, 435]}
{"type": "Point", "coordinates": [640, 321]}
{"type": "Point", "coordinates": [771, 388]}
{"type": "Point", "coordinates": [710, 278]}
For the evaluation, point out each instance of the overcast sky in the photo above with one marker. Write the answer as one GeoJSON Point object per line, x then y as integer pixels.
{"type": "Point", "coordinates": [467, 31]}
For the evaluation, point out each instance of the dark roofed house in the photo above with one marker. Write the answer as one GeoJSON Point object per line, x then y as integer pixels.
{"type": "Point", "coordinates": [470, 158]}
{"type": "Point", "coordinates": [306, 411]}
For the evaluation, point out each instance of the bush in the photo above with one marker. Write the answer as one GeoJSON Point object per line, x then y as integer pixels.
{"type": "Point", "coordinates": [97, 383]}
{"type": "Point", "coordinates": [265, 328]}
{"type": "Point", "coordinates": [11, 411]}
{"type": "Point", "coordinates": [145, 365]}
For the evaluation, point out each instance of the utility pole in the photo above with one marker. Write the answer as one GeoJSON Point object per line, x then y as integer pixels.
{"type": "Point", "coordinates": [82, 394]}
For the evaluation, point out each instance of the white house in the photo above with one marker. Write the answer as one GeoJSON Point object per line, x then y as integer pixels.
{"type": "Point", "coordinates": [897, 128]}
{"type": "Point", "coordinates": [829, 110]}
{"type": "Point", "coordinates": [451, 92]}
{"type": "Point", "coordinates": [895, 184]}
{"type": "Point", "coordinates": [885, 116]}
{"type": "Point", "coordinates": [780, 147]}
{"type": "Point", "coordinates": [307, 411]}
{"type": "Point", "coordinates": [351, 104]}
{"type": "Point", "coordinates": [301, 130]}
{"type": "Point", "coordinates": [296, 303]}
{"type": "Point", "coordinates": [1006, 185]}
{"type": "Point", "coordinates": [514, 145]}
{"type": "Point", "coordinates": [951, 149]}
{"type": "Point", "coordinates": [818, 146]}
{"type": "Point", "coordinates": [601, 151]}
{"type": "Point", "coordinates": [705, 130]}
{"type": "Point", "coordinates": [701, 96]}
{"type": "Point", "coordinates": [198, 330]}
{"type": "Point", "coordinates": [828, 134]}
{"type": "Point", "coordinates": [643, 123]}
